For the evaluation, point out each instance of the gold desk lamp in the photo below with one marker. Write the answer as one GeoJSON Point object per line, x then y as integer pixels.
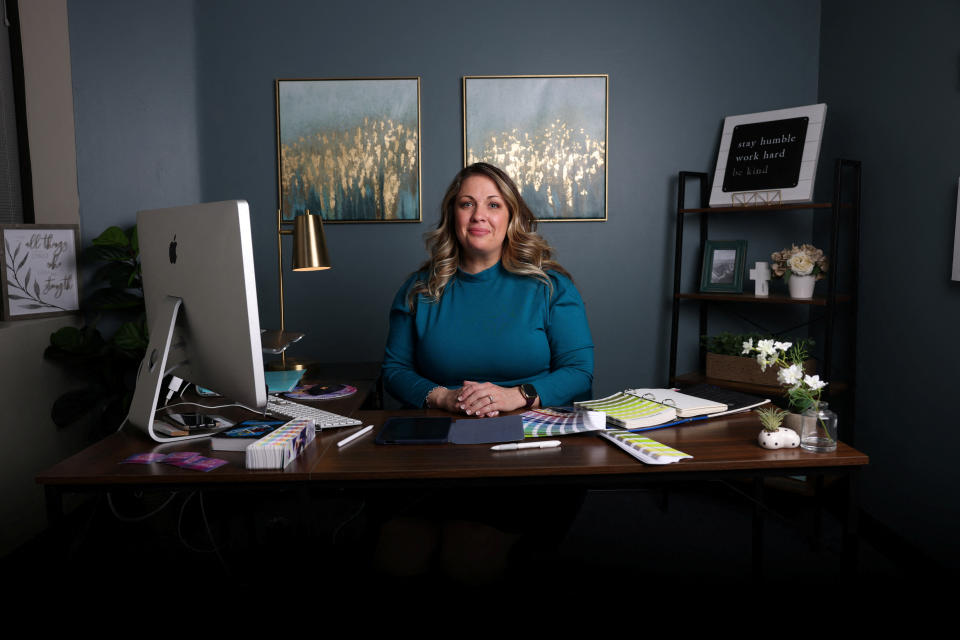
{"type": "Point", "coordinates": [309, 254]}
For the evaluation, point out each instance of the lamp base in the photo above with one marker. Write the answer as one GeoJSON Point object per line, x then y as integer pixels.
{"type": "Point", "coordinates": [285, 364]}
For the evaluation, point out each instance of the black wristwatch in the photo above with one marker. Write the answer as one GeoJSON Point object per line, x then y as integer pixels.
{"type": "Point", "coordinates": [529, 393]}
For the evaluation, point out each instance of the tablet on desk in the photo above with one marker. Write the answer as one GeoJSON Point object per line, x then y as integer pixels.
{"type": "Point", "coordinates": [414, 430]}
{"type": "Point", "coordinates": [438, 430]}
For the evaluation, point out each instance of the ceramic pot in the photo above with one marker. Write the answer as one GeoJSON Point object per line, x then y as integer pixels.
{"type": "Point", "coordinates": [801, 287]}
{"type": "Point", "coordinates": [794, 421]}
{"type": "Point", "coordinates": [782, 438]}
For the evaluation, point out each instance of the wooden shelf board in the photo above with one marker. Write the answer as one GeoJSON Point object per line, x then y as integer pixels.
{"type": "Point", "coordinates": [774, 298]}
{"type": "Point", "coordinates": [792, 206]}
{"type": "Point", "coordinates": [763, 390]}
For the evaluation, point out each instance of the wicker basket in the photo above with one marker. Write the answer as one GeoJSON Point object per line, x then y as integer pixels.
{"type": "Point", "coordinates": [741, 369]}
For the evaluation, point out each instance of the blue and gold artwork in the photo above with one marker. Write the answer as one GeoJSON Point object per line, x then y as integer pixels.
{"type": "Point", "coordinates": [549, 133]}
{"type": "Point", "coordinates": [349, 149]}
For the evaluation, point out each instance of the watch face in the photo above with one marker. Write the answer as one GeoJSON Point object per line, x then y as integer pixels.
{"type": "Point", "coordinates": [528, 391]}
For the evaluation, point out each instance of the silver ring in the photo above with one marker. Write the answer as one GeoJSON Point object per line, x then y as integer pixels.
{"type": "Point", "coordinates": [491, 399]}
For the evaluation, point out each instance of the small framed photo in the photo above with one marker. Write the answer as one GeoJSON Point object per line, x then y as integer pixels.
{"type": "Point", "coordinates": [39, 276]}
{"type": "Point", "coordinates": [723, 262]}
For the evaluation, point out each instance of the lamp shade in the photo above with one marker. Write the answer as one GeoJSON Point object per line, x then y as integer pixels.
{"type": "Point", "coordinates": [309, 244]}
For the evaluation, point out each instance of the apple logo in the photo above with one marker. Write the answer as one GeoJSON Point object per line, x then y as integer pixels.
{"type": "Point", "coordinates": [173, 250]}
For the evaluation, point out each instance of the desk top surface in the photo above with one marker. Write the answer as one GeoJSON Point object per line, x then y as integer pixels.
{"type": "Point", "coordinates": [717, 446]}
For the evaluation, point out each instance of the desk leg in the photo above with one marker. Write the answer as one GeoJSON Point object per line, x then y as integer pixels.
{"type": "Point", "coordinates": [851, 535]}
{"type": "Point", "coordinates": [54, 504]}
{"type": "Point", "coordinates": [818, 505]}
{"type": "Point", "coordinates": [757, 551]}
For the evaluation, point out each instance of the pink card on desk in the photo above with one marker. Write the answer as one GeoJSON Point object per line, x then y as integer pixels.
{"type": "Point", "coordinates": [200, 463]}
{"type": "Point", "coordinates": [180, 456]}
{"type": "Point", "coordinates": [144, 458]}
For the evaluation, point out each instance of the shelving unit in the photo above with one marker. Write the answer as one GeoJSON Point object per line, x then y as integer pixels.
{"type": "Point", "coordinates": [844, 208]}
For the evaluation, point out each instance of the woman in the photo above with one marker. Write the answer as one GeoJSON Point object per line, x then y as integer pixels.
{"type": "Point", "coordinates": [490, 323]}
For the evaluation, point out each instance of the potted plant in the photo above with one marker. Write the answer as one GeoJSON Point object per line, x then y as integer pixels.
{"type": "Point", "coordinates": [800, 267]}
{"type": "Point", "coordinates": [107, 365]}
{"type": "Point", "coordinates": [773, 435]}
{"type": "Point", "coordinates": [819, 425]}
{"type": "Point", "coordinates": [726, 360]}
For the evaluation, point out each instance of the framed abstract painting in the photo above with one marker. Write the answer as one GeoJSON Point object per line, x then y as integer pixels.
{"type": "Point", "coordinates": [549, 133]}
{"type": "Point", "coordinates": [349, 149]}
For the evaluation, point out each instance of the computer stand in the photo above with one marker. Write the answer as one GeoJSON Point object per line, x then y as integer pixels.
{"type": "Point", "coordinates": [152, 371]}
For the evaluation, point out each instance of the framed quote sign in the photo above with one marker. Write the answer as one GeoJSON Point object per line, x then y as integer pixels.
{"type": "Point", "coordinates": [769, 157]}
{"type": "Point", "coordinates": [39, 276]}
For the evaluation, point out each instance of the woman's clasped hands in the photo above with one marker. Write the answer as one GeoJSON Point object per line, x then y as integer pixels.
{"type": "Point", "coordinates": [483, 399]}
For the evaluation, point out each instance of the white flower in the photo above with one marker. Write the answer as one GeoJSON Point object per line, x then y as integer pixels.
{"type": "Point", "coordinates": [747, 346]}
{"type": "Point", "coordinates": [766, 360]}
{"type": "Point", "coordinates": [800, 264]}
{"type": "Point", "coordinates": [791, 375]}
{"type": "Point", "coordinates": [766, 347]}
{"type": "Point", "coordinates": [814, 382]}
{"type": "Point", "coordinates": [782, 346]}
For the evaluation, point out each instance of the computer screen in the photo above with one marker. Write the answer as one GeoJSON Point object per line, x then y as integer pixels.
{"type": "Point", "coordinates": [201, 300]}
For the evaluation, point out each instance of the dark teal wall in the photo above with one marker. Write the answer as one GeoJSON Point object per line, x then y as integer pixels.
{"type": "Point", "coordinates": [891, 75]}
{"type": "Point", "coordinates": [135, 107]}
{"type": "Point", "coordinates": [676, 69]}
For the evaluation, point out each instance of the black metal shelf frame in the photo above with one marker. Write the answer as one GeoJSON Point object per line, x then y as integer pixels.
{"type": "Point", "coordinates": [846, 201]}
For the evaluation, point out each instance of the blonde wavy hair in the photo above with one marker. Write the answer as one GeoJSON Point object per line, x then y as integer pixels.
{"type": "Point", "coordinates": [525, 252]}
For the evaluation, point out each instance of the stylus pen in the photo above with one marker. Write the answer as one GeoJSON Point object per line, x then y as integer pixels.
{"type": "Point", "coordinates": [351, 438]}
{"type": "Point", "coordinates": [546, 444]}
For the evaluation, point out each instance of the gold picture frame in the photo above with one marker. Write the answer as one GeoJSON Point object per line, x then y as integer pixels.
{"type": "Point", "coordinates": [349, 149]}
{"type": "Point", "coordinates": [549, 133]}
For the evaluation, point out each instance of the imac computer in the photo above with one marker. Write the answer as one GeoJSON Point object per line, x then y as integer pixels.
{"type": "Point", "coordinates": [201, 301]}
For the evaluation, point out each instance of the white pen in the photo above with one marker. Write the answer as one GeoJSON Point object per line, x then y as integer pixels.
{"type": "Point", "coordinates": [546, 444]}
{"type": "Point", "coordinates": [351, 438]}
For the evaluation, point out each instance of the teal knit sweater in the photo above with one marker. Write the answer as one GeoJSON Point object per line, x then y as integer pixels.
{"type": "Point", "coordinates": [493, 326]}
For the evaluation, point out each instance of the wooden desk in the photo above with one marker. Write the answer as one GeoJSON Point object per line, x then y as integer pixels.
{"type": "Point", "coordinates": [724, 448]}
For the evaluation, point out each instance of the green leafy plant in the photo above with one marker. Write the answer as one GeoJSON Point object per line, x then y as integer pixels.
{"type": "Point", "coordinates": [107, 365]}
{"type": "Point", "coordinates": [771, 417]}
{"type": "Point", "coordinates": [731, 344]}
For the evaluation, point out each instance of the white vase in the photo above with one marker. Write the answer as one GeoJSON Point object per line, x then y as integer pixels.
{"type": "Point", "coordinates": [801, 287]}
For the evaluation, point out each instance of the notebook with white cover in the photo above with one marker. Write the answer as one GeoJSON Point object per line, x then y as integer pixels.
{"type": "Point", "coordinates": [687, 406]}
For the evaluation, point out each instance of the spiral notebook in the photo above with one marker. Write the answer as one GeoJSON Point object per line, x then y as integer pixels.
{"type": "Point", "coordinates": [687, 406]}
{"type": "Point", "coordinates": [630, 411]}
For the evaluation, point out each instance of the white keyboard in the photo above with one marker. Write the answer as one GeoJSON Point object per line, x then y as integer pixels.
{"type": "Point", "coordinates": [323, 419]}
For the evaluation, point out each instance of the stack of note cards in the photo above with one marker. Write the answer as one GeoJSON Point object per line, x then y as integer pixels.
{"type": "Point", "coordinates": [687, 406]}
{"type": "Point", "coordinates": [278, 449]}
{"type": "Point", "coordinates": [629, 411]}
{"type": "Point", "coordinates": [642, 448]}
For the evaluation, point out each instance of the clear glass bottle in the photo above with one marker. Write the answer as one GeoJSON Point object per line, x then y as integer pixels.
{"type": "Point", "coordinates": [819, 430]}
